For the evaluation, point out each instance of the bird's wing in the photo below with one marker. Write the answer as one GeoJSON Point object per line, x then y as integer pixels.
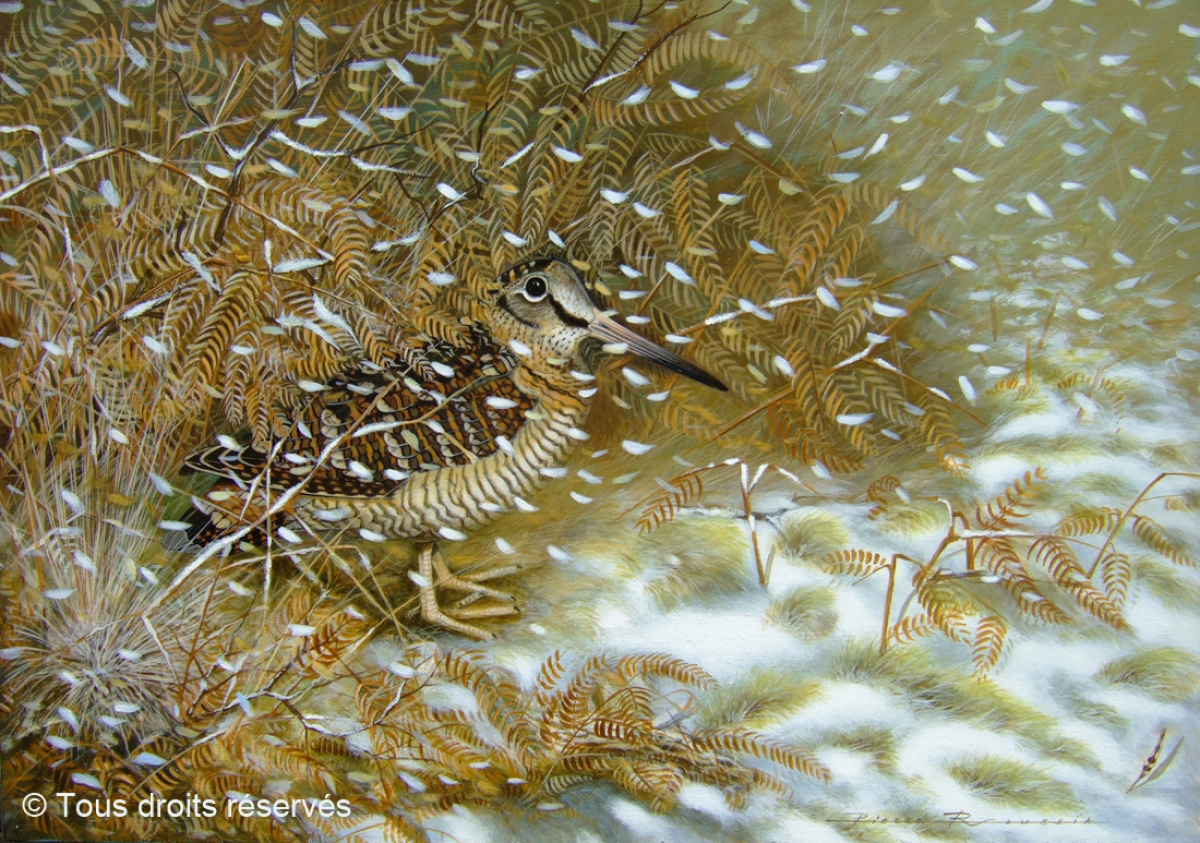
{"type": "Point", "coordinates": [372, 428]}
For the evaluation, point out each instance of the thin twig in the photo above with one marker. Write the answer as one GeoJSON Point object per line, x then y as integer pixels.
{"type": "Point", "coordinates": [1128, 512]}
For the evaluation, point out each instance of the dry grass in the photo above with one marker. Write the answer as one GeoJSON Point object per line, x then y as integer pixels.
{"type": "Point", "coordinates": [700, 561]}
{"type": "Point", "coordinates": [806, 535]}
{"type": "Point", "coordinates": [1165, 673]}
{"type": "Point", "coordinates": [1004, 781]}
{"type": "Point", "coordinates": [809, 613]}
{"type": "Point", "coordinates": [877, 742]}
{"type": "Point", "coordinates": [761, 697]}
{"type": "Point", "coordinates": [913, 672]}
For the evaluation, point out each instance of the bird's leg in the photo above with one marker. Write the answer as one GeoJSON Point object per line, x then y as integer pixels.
{"type": "Point", "coordinates": [430, 611]}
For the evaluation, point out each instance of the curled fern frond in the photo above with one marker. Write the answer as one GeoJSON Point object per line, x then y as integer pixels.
{"type": "Point", "coordinates": [877, 494]}
{"type": "Point", "coordinates": [1115, 571]}
{"type": "Point", "coordinates": [661, 664]}
{"type": "Point", "coordinates": [549, 675]}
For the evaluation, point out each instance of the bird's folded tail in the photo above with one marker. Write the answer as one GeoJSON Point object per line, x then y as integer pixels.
{"type": "Point", "coordinates": [212, 520]}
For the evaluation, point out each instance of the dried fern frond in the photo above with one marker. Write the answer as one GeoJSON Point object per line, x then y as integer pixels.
{"type": "Point", "coordinates": [676, 493]}
{"type": "Point", "coordinates": [1158, 540]}
{"type": "Point", "coordinates": [990, 633]}
{"type": "Point", "coordinates": [759, 746]}
{"type": "Point", "coordinates": [855, 563]}
{"type": "Point", "coordinates": [1115, 571]}
{"type": "Point", "coordinates": [912, 627]}
{"type": "Point", "coordinates": [1088, 522]}
{"type": "Point", "coordinates": [1013, 504]}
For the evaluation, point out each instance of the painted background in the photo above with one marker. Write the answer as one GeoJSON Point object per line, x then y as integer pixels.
{"type": "Point", "coordinates": [932, 556]}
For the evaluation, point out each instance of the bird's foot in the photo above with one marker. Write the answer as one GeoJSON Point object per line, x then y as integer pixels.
{"type": "Point", "coordinates": [432, 574]}
{"type": "Point", "coordinates": [470, 583]}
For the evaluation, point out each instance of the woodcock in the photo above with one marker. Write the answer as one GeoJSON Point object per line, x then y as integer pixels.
{"type": "Point", "coordinates": [434, 447]}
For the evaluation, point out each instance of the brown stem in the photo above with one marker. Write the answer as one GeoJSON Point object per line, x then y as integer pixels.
{"type": "Point", "coordinates": [770, 402]}
{"type": "Point", "coordinates": [1049, 317]}
{"type": "Point", "coordinates": [887, 606]}
{"type": "Point", "coordinates": [1125, 516]}
{"type": "Point", "coordinates": [950, 538]}
{"type": "Point", "coordinates": [758, 560]}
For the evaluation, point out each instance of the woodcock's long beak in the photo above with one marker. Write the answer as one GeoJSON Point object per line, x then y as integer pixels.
{"type": "Point", "coordinates": [611, 331]}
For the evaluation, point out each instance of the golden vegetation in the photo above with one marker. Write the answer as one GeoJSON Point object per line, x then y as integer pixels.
{"type": "Point", "coordinates": [208, 215]}
{"type": "Point", "coordinates": [1004, 781]}
{"type": "Point", "coordinates": [243, 224]}
{"type": "Point", "coordinates": [1009, 573]}
{"type": "Point", "coordinates": [212, 214]}
{"type": "Point", "coordinates": [232, 709]}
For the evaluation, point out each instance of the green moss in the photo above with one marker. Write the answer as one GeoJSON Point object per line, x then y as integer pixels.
{"type": "Point", "coordinates": [761, 697]}
{"type": "Point", "coordinates": [1011, 783]}
{"type": "Point", "coordinates": [1165, 673]}
{"type": "Point", "coordinates": [807, 612]}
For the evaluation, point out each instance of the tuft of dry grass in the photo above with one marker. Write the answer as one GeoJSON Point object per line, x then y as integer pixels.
{"type": "Point", "coordinates": [914, 674]}
{"type": "Point", "coordinates": [1168, 674]}
{"type": "Point", "coordinates": [1012, 783]}
{"type": "Point", "coordinates": [760, 697]}
{"type": "Point", "coordinates": [808, 534]}
{"type": "Point", "coordinates": [1170, 586]}
{"type": "Point", "coordinates": [695, 561]}
{"type": "Point", "coordinates": [912, 519]}
{"type": "Point", "coordinates": [877, 742]}
{"type": "Point", "coordinates": [807, 612]}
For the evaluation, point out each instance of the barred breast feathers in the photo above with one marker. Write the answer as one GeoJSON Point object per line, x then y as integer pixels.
{"type": "Point", "coordinates": [462, 497]}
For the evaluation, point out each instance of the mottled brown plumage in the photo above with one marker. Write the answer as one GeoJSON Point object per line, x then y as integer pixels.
{"type": "Point", "coordinates": [439, 444]}
{"type": "Point", "coordinates": [448, 406]}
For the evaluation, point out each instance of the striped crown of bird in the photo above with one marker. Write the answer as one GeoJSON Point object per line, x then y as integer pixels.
{"type": "Point", "coordinates": [434, 448]}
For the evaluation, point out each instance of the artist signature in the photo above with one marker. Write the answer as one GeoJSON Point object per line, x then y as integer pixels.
{"type": "Point", "coordinates": [949, 818]}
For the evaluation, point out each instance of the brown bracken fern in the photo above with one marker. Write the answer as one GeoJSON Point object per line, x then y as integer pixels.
{"type": "Point", "coordinates": [1009, 572]}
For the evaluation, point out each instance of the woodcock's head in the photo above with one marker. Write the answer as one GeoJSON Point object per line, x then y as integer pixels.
{"type": "Point", "coordinates": [543, 312]}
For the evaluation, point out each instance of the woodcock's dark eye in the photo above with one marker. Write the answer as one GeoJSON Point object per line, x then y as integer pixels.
{"type": "Point", "coordinates": [535, 288]}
